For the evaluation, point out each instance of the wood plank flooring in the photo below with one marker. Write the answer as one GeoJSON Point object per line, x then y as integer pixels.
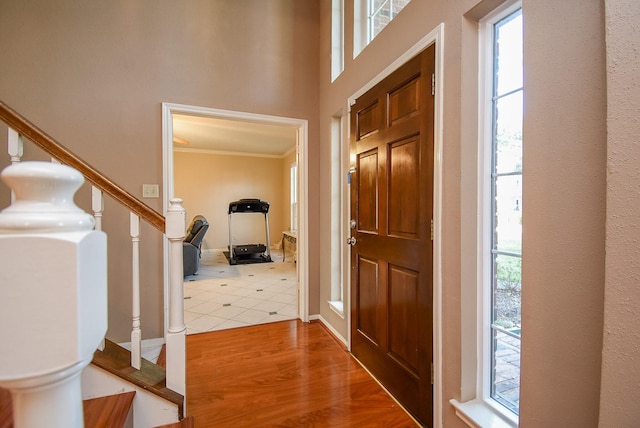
{"type": "Point", "coordinates": [284, 374]}
{"type": "Point", "coordinates": [109, 411]}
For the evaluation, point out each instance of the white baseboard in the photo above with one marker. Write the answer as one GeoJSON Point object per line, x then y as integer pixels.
{"type": "Point", "coordinates": [333, 330]}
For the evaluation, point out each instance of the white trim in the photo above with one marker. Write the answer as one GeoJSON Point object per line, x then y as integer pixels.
{"type": "Point", "coordinates": [483, 268]}
{"type": "Point", "coordinates": [227, 153]}
{"type": "Point", "coordinates": [438, 144]}
{"type": "Point", "coordinates": [435, 36]}
{"type": "Point", "coordinates": [360, 26]}
{"type": "Point", "coordinates": [337, 38]}
{"type": "Point", "coordinates": [476, 408]}
{"type": "Point", "coordinates": [290, 151]}
{"type": "Point", "coordinates": [168, 109]}
{"type": "Point", "coordinates": [337, 306]}
{"type": "Point", "coordinates": [333, 330]}
{"type": "Point", "coordinates": [477, 413]}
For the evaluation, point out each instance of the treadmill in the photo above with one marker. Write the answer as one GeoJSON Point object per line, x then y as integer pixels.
{"type": "Point", "coordinates": [251, 253]}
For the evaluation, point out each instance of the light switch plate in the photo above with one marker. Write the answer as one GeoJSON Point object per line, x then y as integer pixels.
{"type": "Point", "coordinates": [150, 191]}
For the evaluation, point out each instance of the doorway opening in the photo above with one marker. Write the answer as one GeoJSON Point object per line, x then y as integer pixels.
{"type": "Point", "coordinates": [298, 127]}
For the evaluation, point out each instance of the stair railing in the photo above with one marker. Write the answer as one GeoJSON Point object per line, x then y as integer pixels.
{"type": "Point", "coordinates": [172, 227]}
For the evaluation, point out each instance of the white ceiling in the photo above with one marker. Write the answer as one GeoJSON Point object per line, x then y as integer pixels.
{"type": "Point", "coordinates": [234, 136]}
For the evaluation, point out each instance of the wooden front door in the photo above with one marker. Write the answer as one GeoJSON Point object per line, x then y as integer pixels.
{"type": "Point", "coordinates": [391, 216]}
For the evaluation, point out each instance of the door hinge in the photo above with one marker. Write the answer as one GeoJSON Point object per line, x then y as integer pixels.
{"type": "Point", "coordinates": [432, 373]}
{"type": "Point", "coordinates": [432, 229]}
{"type": "Point", "coordinates": [433, 83]}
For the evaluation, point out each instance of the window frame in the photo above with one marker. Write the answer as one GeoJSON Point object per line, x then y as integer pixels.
{"type": "Point", "coordinates": [491, 252]}
{"type": "Point", "coordinates": [371, 15]}
{"type": "Point", "coordinates": [476, 407]}
{"type": "Point", "coordinates": [293, 197]}
{"type": "Point", "coordinates": [337, 38]}
{"type": "Point", "coordinates": [362, 23]}
{"type": "Point", "coordinates": [339, 254]}
{"type": "Point", "coordinates": [486, 201]}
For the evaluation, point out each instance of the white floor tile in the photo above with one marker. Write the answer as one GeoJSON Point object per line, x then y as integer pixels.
{"type": "Point", "coordinates": [205, 323]}
{"type": "Point", "coordinates": [223, 296]}
{"type": "Point", "coordinates": [230, 324]}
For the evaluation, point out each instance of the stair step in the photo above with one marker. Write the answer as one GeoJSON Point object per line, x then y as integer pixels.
{"type": "Point", "coordinates": [115, 360]}
{"type": "Point", "coordinates": [187, 422]}
{"type": "Point", "coordinates": [109, 411]}
{"type": "Point", "coordinates": [102, 412]}
{"type": "Point", "coordinates": [6, 412]}
{"type": "Point", "coordinates": [162, 357]}
{"type": "Point", "coordinates": [151, 377]}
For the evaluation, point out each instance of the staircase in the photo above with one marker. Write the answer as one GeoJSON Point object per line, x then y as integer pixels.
{"type": "Point", "coordinates": [119, 387]}
{"type": "Point", "coordinates": [111, 411]}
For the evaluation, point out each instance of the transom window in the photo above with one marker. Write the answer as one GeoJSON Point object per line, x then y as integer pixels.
{"type": "Point", "coordinates": [381, 12]}
{"type": "Point", "coordinates": [370, 18]}
{"type": "Point", "coordinates": [504, 251]}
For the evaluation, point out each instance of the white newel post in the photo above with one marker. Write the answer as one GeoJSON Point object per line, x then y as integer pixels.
{"type": "Point", "coordinates": [176, 345]}
{"type": "Point", "coordinates": [53, 294]}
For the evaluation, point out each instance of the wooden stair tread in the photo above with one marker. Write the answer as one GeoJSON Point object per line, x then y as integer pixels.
{"type": "Point", "coordinates": [108, 411]}
{"type": "Point", "coordinates": [151, 377]}
{"type": "Point", "coordinates": [187, 422]}
{"type": "Point", "coordinates": [162, 357]}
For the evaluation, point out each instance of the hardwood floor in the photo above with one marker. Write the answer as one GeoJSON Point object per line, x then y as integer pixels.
{"type": "Point", "coordinates": [284, 374]}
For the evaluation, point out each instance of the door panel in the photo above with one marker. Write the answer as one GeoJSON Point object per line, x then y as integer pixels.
{"type": "Point", "coordinates": [368, 120]}
{"type": "Point", "coordinates": [403, 317]}
{"type": "Point", "coordinates": [404, 181]}
{"type": "Point", "coordinates": [391, 260]}
{"type": "Point", "coordinates": [403, 102]}
{"type": "Point", "coordinates": [368, 299]}
{"type": "Point", "coordinates": [368, 189]}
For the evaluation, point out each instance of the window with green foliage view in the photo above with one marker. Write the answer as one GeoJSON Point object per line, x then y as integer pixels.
{"type": "Point", "coordinates": [506, 210]}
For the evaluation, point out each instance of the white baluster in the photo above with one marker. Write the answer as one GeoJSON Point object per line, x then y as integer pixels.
{"type": "Point", "coordinates": [97, 205]}
{"type": "Point", "coordinates": [176, 345]}
{"type": "Point", "coordinates": [15, 149]}
{"type": "Point", "coordinates": [15, 144]}
{"type": "Point", "coordinates": [136, 333]}
{"type": "Point", "coordinates": [53, 313]}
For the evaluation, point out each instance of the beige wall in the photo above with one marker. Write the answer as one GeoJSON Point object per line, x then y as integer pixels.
{"type": "Point", "coordinates": [94, 75]}
{"type": "Point", "coordinates": [564, 196]}
{"type": "Point", "coordinates": [620, 391]}
{"type": "Point", "coordinates": [564, 191]}
{"type": "Point", "coordinates": [208, 182]}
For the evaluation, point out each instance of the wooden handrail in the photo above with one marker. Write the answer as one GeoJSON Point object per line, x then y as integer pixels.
{"type": "Point", "coordinates": [56, 150]}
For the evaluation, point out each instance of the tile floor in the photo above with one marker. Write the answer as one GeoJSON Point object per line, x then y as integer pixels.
{"type": "Point", "coordinates": [222, 296]}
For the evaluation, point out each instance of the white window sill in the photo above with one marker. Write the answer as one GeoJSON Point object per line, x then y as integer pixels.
{"type": "Point", "coordinates": [478, 414]}
{"type": "Point", "coordinates": [337, 306]}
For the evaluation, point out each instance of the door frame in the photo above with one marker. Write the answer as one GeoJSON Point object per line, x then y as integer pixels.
{"type": "Point", "coordinates": [169, 109]}
{"type": "Point", "coordinates": [436, 36]}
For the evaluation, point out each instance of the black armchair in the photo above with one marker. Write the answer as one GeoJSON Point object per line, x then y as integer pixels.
{"type": "Point", "coordinates": [192, 243]}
